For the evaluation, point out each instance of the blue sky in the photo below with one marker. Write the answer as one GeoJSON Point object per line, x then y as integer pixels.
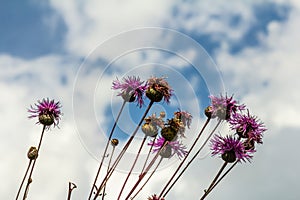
{"type": "Point", "coordinates": [73, 50]}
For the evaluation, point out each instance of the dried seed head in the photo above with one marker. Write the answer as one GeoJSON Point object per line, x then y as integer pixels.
{"type": "Point", "coordinates": [149, 129]}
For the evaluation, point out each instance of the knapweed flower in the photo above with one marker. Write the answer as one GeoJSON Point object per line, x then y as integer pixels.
{"type": "Point", "coordinates": [247, 126]}
{"type": "Point", "coordinates": [172, 148]}
{"type": "Point", "coordinates": [184, 117]}
{"type": "Point", "coordinates": [158, 89]}
{"type": "Point", "coordinates": [224, 107]}
{"type": "Point", "coordinates": [132, 89]}
{"type": "Point", "coordinates": [176, 126]}
{"type": "Point", "coordinates": [47, 111]}
{"type": "Point", "coordinates": [154, 197]}
{"type": "Point", "coordinates": [230, 149]}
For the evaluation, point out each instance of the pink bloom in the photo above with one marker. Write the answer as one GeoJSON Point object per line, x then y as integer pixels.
{"type": "Point", "coordinates": [177, 148]}
{"type": "Point", "coordinates": [224, 145]}
{"type": "Point", "coordinates": [132, 87]}
{"type": "Point", "coordinates": [46, 107]}
{"type": "Point", "coordinates": [224, 107]}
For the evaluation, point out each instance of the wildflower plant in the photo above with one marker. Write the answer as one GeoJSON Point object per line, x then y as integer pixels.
{"type": "Point", "coordinates": [174, 147]}
{"type": "Point", "coordinates": [158, 89]}
{"type": "Point", "coordinates": [132, 89]}
{"type": "Point", "coordinates": [48, 113]}
{"type": "Point", "coordinates": [165, 138]}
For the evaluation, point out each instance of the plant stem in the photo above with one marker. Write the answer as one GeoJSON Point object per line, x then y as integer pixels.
{"type": "Point", "coordinates": [132, 167]}
{"type": "Point", "coordinates": [148, 178]}
{"type": "Point", "coordinates": [193, 158]}
{"type": "Point", "coordinates": [29, 180]}
{"type": "Point", "coordinates": [214, 181]}
{"type": "Point", "coordinates": [112, 153]}
{"type": "Point", "coordinates": [208, 191]}
{"type": "Point", "coordinates": [191, 148]}
{"type": "Point", "coordinates": [149, 152]}
{"type": "Point", "coordinates": [72, 186]}
{"type": "Point", "coordinates": [146, 170]}
{"type": "Point", "coordinates": [114, 165]}
{"type": "Point", "coordinates": [29, 164]}
{"type": "Point", "coordinates": [106, 147]}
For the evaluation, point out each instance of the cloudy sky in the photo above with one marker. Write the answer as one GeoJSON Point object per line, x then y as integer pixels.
{"type": "Point", "coordinates": [71, 51]}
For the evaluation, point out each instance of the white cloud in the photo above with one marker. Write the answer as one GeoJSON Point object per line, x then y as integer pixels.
{"type": "Point", "coordinates": [91, 23]}
{"type": "Point", "coordinates": [267, 75]}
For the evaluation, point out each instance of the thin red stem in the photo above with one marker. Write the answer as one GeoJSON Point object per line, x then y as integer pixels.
{"type": "Point", "coordinates": [132, 167]}
{"type": "Point", "coordinates": [219, 180]}
{"type": "Point", "coordinates": [191, 148]}
{"type": "Point", "coordinates": [214, 181]}
{"type": "Point", "coordinates": [193, 158]}
{"type": "Point", "coordinates": [148, 155]}
{"type": "Point", "coordinates": [112, 153]}
{"type": "Point", "coordinates": [106, 147]}
{"type": "Point", "coordinates": [114, 165]}
{"type": "Point", "coordinates": [148, 178]}
{"type": "Point", "coordinates": [29, 164]}
{"type": "Point", "coordinates": [146, 170]}
{"type": "Point", "coordinates": [29, 180]}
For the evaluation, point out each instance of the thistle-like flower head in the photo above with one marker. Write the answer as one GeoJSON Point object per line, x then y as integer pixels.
{"type": "Point", "coordinates": [176, 147]}
{"type": "Point", "coordinates": [47, 111]}
{"type": "Point", "coordinates": [158, 89]}
{"type": "Point", "coordinates": [132, 89]}
{"type": "Point", "coordinates": [224, 107]}
{"type": "Point", "coordinates": [230, 149]}
{"type": "Point", "coordinates": [247, 126]}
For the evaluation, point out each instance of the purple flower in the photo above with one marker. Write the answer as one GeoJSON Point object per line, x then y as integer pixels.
{"type": "Point", "coordinates": [175, 146]}
{"type": "Point", "coordinates": [47, 111]}
{"type": "Point", "coordinates": [154, 197]}
{"type": "Point", "coordinates": [247, 126]}
{"type": "Point", "coordinates": [230, 149]}
{"type": "Point", "coordinates": [158, 89]}
{"type": "Point", "coordinates": [132, 89]}
{"type": "Point", "coordinates": [224, 107]}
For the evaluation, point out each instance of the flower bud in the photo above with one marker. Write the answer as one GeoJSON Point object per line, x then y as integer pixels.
{"type": "Point", "coordinates": [46, 119]}
{"type": "Point", "coordinates": [154, 95]}
{"type": "Point", "coordinates": [229, 156]}
{"type": "Point", "coordinates": [168, 133]}
{"type": "Point", "coordinates": [209, 112]}
{"type": "Point", "coordinates": [32, 153]}
{"type": "Point", "coordinates": [114, 142]}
